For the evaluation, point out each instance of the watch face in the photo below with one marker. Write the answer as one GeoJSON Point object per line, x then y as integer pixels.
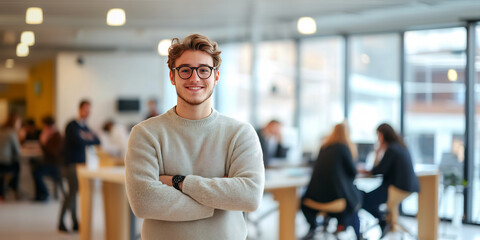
{"type": "Point", "coordinates": [177, 178]}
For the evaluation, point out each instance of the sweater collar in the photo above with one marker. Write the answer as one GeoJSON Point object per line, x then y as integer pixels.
{"type": "Point", "coordinates": [194, 123]}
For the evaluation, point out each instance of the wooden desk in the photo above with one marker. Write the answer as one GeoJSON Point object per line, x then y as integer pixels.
{"type": "Point", "coordinates": [283, 184]}
{"type": "Point", "coordinates": [427, 215]}
{"type": "Point", "coordinates": [116, 207]}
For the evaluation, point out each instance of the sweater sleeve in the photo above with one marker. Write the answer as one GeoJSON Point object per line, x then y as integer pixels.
{"type": "Point", "coordinates": [242, 189]}
{"type": "Point", "coordinates": [148, 197]}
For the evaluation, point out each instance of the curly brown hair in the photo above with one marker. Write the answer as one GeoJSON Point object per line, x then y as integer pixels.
{"type": "Point", "coordinates": [195, 42]}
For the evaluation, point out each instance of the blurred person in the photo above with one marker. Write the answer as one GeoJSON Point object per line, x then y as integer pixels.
{"type": "Point", "coordinates": [9, 154]}
{"type": "Point", "coordinates": [270, 137]}
{"type": "Point", "coordinates": [332, 179]}
{"type": "Point", "coordinates": [114, 139]}
{"type": "Point", "coordinates": [393, 161]}
{"type": "Point", "coordinates": [152, 108]}
{"type": "Point", "coordinates": [29, 132]}
{"type": "Point", "coordinates": [191, 172]}
{"type": "Point", "coordinates": [77, 138]}
{"type": "Point", "coordinates": [51, 143]}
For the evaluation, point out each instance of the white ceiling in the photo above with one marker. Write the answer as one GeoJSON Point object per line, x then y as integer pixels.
{"type": "Point", "coordinates": [80, 25]}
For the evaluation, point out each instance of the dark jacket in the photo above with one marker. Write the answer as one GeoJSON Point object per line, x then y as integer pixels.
{"type": "Point", "coordinates": [397, 169]}
{"type": "Point", "coordinates": [53, 150]}
{"type": "Point", "coordinates": [75, 144]}
{"type": "Point", "coordinates": [279, 152]}
{"type": "Point", "coordinates": [333, 177]}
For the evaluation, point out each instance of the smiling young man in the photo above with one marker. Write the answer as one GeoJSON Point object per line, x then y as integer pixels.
{"type": "Point", "coordinates": [191, 172]}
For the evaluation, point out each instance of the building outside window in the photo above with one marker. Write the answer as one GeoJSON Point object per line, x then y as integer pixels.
{"type": "Point", "coordinates": [435, 107]}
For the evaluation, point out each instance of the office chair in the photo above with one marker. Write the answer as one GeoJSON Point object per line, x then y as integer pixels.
{"type": "Point", "coordinates": [335, 206]}
{"type": "Point", "coordinates": [395, 197]}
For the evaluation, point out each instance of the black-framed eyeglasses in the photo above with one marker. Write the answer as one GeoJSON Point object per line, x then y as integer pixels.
{"type": "Point", "coordinates": [203, 72]}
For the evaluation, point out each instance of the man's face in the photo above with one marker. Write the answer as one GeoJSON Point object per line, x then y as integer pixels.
{"type": "Point", "coordinates": [194, 90]}
{"type": "Point", "coordinates": [84, 111]}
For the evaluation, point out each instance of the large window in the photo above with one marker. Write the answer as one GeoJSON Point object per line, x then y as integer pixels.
{"type": "Point", "coordinates": [276, 82]}
{"type": "Point", "coordinates": [476, 171]}
{"type": "Point", "coordinates": [374, 83]}
{"type": "Point", "coordinates": [321, 93]}
{"type": "Point", "coordinates": [234, 87]}
{"type": "Point", "coordinates": [435, 106]}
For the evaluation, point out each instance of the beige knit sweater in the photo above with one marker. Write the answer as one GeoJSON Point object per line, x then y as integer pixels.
{"type": "Point", "coordinates": [222, 161]}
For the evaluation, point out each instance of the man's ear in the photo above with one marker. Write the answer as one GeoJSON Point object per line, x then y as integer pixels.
{"type": "Point", "coordinates": [217, 76]}
{"type": "Point", "coordinates": [172, 77]}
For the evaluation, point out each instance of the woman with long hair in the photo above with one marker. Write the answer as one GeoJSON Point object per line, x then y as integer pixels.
{"type": "Point", "coordinates": [332, 178]}
{"type": "Point", "coordinates": [393, 161]}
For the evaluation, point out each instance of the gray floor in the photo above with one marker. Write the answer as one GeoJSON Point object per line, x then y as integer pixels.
{"type": "Point", "coordinates": [25, 220]}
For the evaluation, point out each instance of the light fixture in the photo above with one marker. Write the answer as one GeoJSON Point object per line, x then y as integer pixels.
{"type": "Point", "coordinates": [22, 50]}
{"type": "Point", "coordinates": [306, 25]}
{"type": "Point", "coordinates": [34, 15]}
{"type": "Point", "coordinates": [116, 17]}
{"type": "Point", "coordinates": [163, 47]}
{"type": "Point", "coordinates": [9, 63]}
{"type": "Point", "coordinates": [452, 75]}
{"type": "Point", "coordinates": [365, 58]}
{"type": "Point", "coordinates": [28, 37]}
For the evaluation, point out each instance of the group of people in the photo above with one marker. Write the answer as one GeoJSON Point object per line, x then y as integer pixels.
{"type": "Point", "coordinates": [12, 136]}
{"type": "Point", "coordinates": [335, 171]}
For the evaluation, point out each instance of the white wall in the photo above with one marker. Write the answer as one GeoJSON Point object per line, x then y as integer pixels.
{"type": "Point", "coordinates": [103, 78]}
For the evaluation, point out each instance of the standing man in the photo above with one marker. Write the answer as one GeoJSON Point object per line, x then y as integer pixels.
{"type": "Point", "coordinates": [77, 138]}
{"type": "Point", "coordinates": [192, 171]}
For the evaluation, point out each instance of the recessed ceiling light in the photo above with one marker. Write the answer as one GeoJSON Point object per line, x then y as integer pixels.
{"type": "Point", "coordinates": [9, 63]}
{"type": "Point", "coordinates": [163, 47]}
{"type": "Point", "coordinates": [28, 37]}
{"type": "Point", "coordinates": [116, 17]}
{"type": "Point", "coordinates": [306, 25]}
{"type": "Point", "coordinates": [22, 50]}
{"type": "Point", "coordinates": [34, 15]}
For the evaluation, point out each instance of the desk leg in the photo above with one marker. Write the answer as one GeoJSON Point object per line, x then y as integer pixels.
{"type": "Point", "coordinates": [427, 217]}
{"type": "Point", "coordinates": [287, 208]}
{"type": "Point", "coordinates": [117, 211]}
{"type": "Point", "coordinates": [85, 190]}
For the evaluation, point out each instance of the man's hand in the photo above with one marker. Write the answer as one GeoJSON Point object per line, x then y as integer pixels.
{"type": "Point", "coordinates": [166, 179]}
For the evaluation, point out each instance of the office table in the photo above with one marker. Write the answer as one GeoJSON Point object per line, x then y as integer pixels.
{"type": "Point", "coordinates": [118, 222]}
{"type": "Point", "coordinates": [282, 183]}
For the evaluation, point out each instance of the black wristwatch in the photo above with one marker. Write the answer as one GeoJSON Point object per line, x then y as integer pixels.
{"type": "Point", "coordinates": [176, 180]}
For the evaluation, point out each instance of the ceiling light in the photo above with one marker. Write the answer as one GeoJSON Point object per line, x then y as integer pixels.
{"type": "Point", "coordinates": [306, 25]}
{"type": "Point", "coordinates": [163, 47]}
{"type": "Point", "coordinates": [365, 58]}
{"type": "Point", "coordinates": [116, 17]}
{"type": "Point", "coordinates": [34, 15]}
{"type": "Point", "coordinates": [28, 37]}
{"type": "Point", "coordinates": [452, 75]}
{"type": "Point", "coordinates": [9, 63]}
{"type": "Point", "coordinates": [22, 50]}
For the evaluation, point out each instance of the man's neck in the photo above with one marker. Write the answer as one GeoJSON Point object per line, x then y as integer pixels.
{"type": "Point", "coordinates": [193, 112]}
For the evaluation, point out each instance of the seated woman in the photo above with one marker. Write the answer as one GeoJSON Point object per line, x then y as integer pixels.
{"type": "Point", "coordinates": [394, 162]}
{"type": "Point", "coordinates": [332, 178]}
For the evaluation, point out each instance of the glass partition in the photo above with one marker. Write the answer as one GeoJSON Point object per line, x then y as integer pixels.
{"type": "Point", "coordinates": [374, 85]}
{"type": "Point", "coordinates": [321, 91]}
{"type": "Point", "coordinates": [435, 107]}
{"type": "Point", "coordinates": [234, 87]}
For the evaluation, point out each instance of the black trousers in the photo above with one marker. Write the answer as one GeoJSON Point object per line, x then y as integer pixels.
{"type": "Point", "coordinates": [13, 169]}
{"type": "Point", "coordinates": [70, 201]}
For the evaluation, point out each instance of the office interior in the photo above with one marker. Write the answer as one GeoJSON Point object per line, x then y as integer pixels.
{"type": "Point", "coordinates": [413, 64]}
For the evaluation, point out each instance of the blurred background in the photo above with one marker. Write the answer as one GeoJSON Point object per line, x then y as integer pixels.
{"type": "Point", "coordinates": [412, 63]}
